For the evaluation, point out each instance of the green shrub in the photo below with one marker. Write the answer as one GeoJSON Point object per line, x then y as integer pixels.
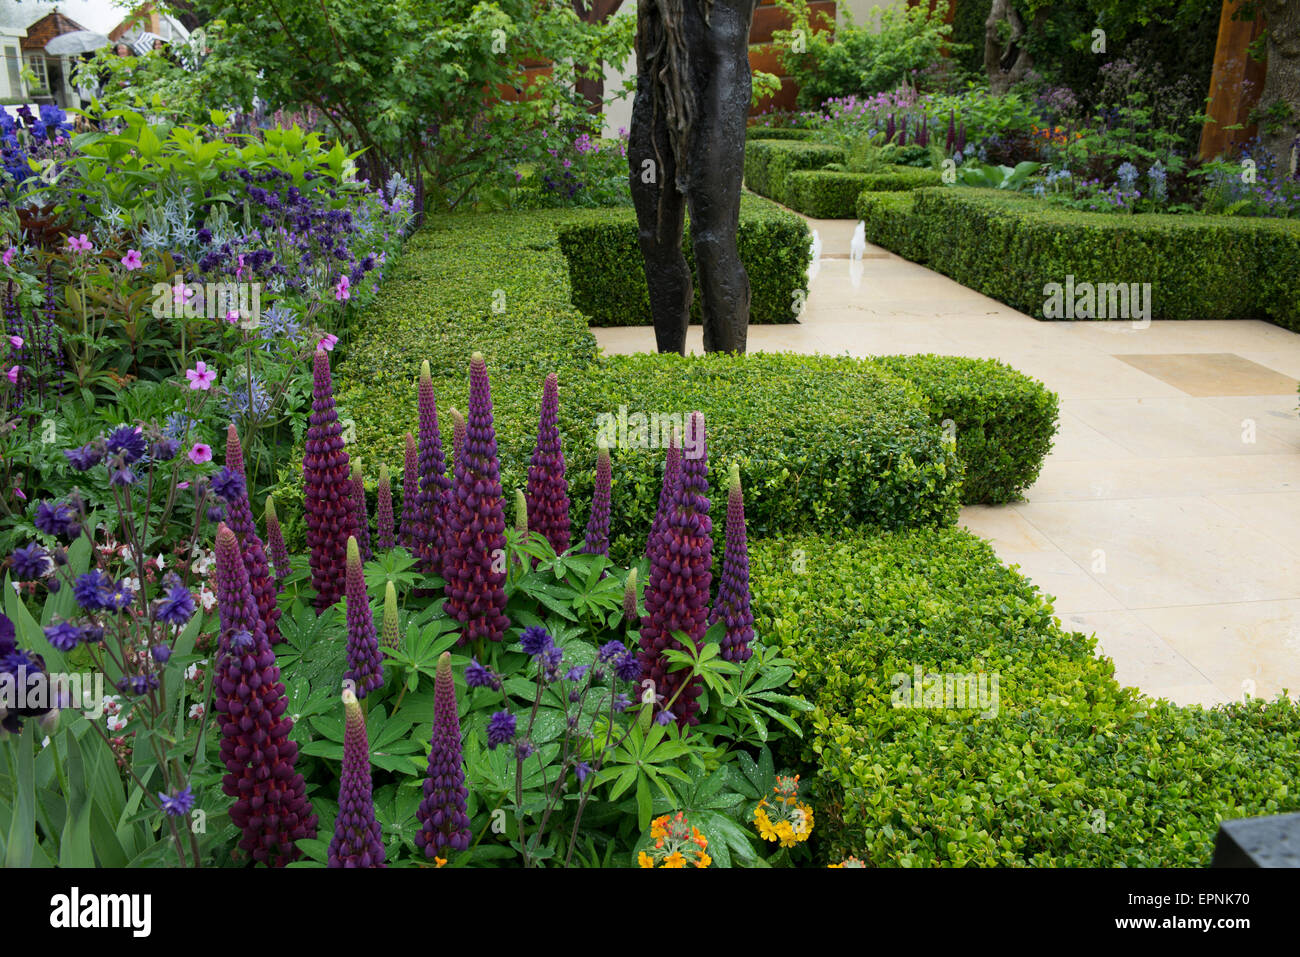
{"type": "Point", "coordinates": [607, 278]}
{"type": "Point", "coordinates": [1011, 247]}
{"type": "Point", "coordinates": [832, 194]}
{"type": "Point", "coordinates": [1003, 420]}
{"type": "Point", "coordinates": [1072, 770]}
{"type": "Point", "coordinates": [769, 162]}
{"type": "Point", "coordinates": [779, 133]}
{"type": "Point", "coordinates": [887, 222]}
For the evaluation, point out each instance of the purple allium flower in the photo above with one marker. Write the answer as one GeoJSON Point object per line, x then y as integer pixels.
{"type": "Point", "coordinates": [410, 495]}
{"type": "Point", "coordinates": [60, 519]}
{"type": "Point", "coordinates": [596, 541]}
{"type": "Point", "coordinates": [668, 488]}
{"type": "Point", "coordinates": [30, 562]}
{"type": "Point", "coordinates": [478, 676]}
{"type": "Point", "coordinates": [92, 590]}
{"type": "Point", "coordinates": [127, 440]}
{"type": "Point", "coordinates": [64, 636]}
{"type": "Point", "coordinates": [275, 541]}
{"type": "Point", "coordinates": [239, 512]}
{"type": "Point", "coordinates": [536, 640]}
{"type": "Point", "coordinates": [501, 729]}
{"type": "Point", "coordinates": [390, 634]}
{"type": "Point", "coordinates": [327, 496]}
{"type": "Point", "coordinates": [177, 607]}
{"type": "Point", "coordinates": [548, 490]}
{"type": "Point", "coordinates": [442, 817]}
{"type": "Point", "coordinates": [434, 495]}
{"type": "Point", "coordinates": [732, 605]}
{"type": "Point", "coordinates": [384, 511]}
{"type": "Point", "coordinates": [178, 804]}
{"type": "Point", "coordinates": [476, 523]}
{"type": "Point", "coordinates": [365, 663]}
{"type": "Point", "coordinates": [677, 593]}
{"type": "Point", "coordinates": [361, 515]}
{"type": "Point", "coordinates": [271, 807]}
{"type": "Point", "coordinates": [358, 840]}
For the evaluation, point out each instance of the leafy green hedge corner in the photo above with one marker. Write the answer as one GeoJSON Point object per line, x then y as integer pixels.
{"type": "Point", "coordinates": [768, 162]}
{"type": "Point", "coordinates": [1071, 771]}
{"type": "Point", "coordinates": [607, 278]}
{"type": "Point", "coordinates": [887, 222]}
{"type": "Point", "coordinates": [1003, 420]}
{"type": "Point", "coordinates": [829, 194]}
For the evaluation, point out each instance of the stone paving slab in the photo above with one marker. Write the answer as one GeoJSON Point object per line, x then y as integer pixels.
{"type": "Point", "coordinates": [1167, 517]}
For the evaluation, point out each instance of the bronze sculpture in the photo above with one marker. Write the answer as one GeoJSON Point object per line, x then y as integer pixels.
{"type": "Point", "coordinates": [686, 152]}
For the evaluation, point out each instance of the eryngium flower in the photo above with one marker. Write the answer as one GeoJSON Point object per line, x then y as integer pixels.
{"type": "Point", "coordinates": [732, 605]}
{"type": "Point", "coordinates": [271, 807]}
{"type": "Point", "coordinates": [476, 523]}
{"type": "Point", "coordinates": [391, 635]}
{"type": "Point", "coordinates": [410, 493]}
{"type": "Point", "coordinates": [360, 514]}
{"type": "Point", "coordinates": [358, 841]}
{"type": "Point", "coordinates": [239, 516]}
{"type": "Point", "coordinates": [384, 511]}
{"type": "Point", "coordinates": [596, 541]}
{"type": "Point", "coordinates": [442, 817]}
{"type": "Point", "coordinates": [548, 490]}
{"type": "Point", "coordinates": [435, 488]}
{"type": "Point", "coordinates": [677, 593]}
{"type": "Point", "coordinates": [275, 542]}
{"type": "Point", "coordinates": [365, 664]}
{"type": "Point", "coordinates": [327, 491]}
{"type": "Point", "coordinates": [672, 475]}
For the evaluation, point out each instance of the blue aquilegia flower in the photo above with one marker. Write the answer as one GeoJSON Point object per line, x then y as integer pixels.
{"type": "Point", "coordinates": [501, 729]}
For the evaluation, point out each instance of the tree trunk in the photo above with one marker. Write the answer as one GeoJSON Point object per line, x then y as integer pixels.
{"type": "Point", "coordinates": [1006, 63]}
{"type": "Point", "coordinates": [1279, 104]}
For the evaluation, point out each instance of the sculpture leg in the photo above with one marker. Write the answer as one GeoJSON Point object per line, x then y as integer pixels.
{"type": "Point", "coordinates": [717, 156]}
{"type": "Point", "coordinates": [660, 211]}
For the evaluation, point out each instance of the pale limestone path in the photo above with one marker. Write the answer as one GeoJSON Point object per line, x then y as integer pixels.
{"type": "Point", "coordinates": [1160, 522]}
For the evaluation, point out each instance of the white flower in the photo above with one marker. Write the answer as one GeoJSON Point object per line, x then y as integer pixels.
{"type": "Point", "coordinates": [116, 722]}
{"type": "Point", "coordinates": [196, 711]}
{"type": "Point", "coordinates": [208, 598]}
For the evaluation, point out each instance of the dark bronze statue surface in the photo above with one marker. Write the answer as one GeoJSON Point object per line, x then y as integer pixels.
{"type": "Point", "coordinates": [686, 153]}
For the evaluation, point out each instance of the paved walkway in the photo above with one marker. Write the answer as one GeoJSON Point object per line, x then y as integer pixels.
{"type": "Point", "coordinates": [1167, 517]}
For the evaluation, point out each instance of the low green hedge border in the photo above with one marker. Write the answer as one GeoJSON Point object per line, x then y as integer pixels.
{"type": "Point", "coordinates": [607, 279]}
{"type": "Point", "coordinates": [1003, 420]}
{"type": "Point", "coordinates": [1011, 247]}
{"type": "Point", "coordinates": [829, 194]}
{"type": "Point", "coordinates": [778, 133]}
{"type": "Point", "coordinates": [1072, 771]}
{"type": "Point", "coordinates": [769, 162]}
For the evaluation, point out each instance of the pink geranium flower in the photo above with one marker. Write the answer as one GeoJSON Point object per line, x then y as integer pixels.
{"type": "Point", "coordinates": [80, 244]}
{"type": "Point", "coordinates": [343, 290]}
{"type": "Point", "coordinates": [9, 255]}
{"type": "Point", "coordinates": [16, 341]}
{"type": "Point", "coordinates": [201, 377]}
{"type": "Point", "coordinates": [328, 341]}
{"type": "Point", "coordinates": [12, 374]}
{"type": "Point", "coordinates": [201, 453]}
{"type": "Point", "coordinates": [132, 260]}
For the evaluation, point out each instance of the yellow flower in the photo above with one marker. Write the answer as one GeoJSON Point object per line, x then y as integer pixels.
{"type": "Point", "coordinates": [659, 827]}
{"type": "Point", "coordinates": [674, 860]}
{"type": "Point", "coordinates": [645, 860]}
{"type": "Point", "coordinates": [704, 860]}
{"type": "Point", "coordinates": [439, 861]}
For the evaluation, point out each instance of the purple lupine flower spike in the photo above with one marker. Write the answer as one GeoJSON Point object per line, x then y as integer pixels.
{"type": "Point", "coordinates": [474, 566]}
{"type": "Point", "coordinates": [384, 511]}
{"type": "Point", "coordinates": [361, 514]}
{"type": "Point", "coordinates": [459, 427]}
{"type": "Point", "coordinates": [596, 541]}
{"type": "Point", "coordinates": [390, 629]}
{"type": "Point", "coordinates": [677, 592]}
{"type": "Point", "coordinates": [365, 663]}
{"type": "Point", "coordinates": [271, 807]}
{"type": "Point", "coordinates": [672, 475]}
{"type": "Point", "coordinates": [629, 599]}
{"type": "Point", "coordinates": [275, 542]}
{"type": "Point", "coordinates": [434, 492]}
{"type": "Point", "coordinates": [358, 840]}
{"type": "Point", "coordinates": [327, 491]}
{"type": "Point", "coordinates": [443, 821]}
{"type": "Point", "coordinates": [410, 492]}
{"type": "Point", "coordinates": [239, 516]}
{"type": "Point", "coordinates": [732, 605]}
{"type": "Point", "coordinates": [548, 490]}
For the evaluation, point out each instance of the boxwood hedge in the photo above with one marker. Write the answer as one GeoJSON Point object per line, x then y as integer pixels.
{"type": "Point", "coordinates": [768, 162]}
{"type": "Point", "coordinates": [779, 133]}
{"type": "Point", "coordinates": [829, 194]}
{"type": "Point", "coordinates": [1072, 770]}
{"type": "Point", "coordinates": [1003, 420]}
{"type": "Point", "coordinates": [1011, 246]}
{"type": "Point", "coordinates": [607, 279]}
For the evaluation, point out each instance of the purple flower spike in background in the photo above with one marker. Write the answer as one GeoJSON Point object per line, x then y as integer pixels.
{"type": "Point", "coordinates": [677, 592]}
{"type": "Point", "coordinates": [275, 542]}
{"type": "Point", "coordinates": [474, 566]}
{"type": "Point", "coordinates": [596, 541]}
{"type": "Point", "coordinates": [365, 663]}
{"type": "Point", "coordinates": [239, 516]}
{"type": "Point", "coordinates": [384, 511]}
{"type": "Point", "coordinates": [443, 821]}
{"type": "Point", "coordinates": [410, 494]}
{"type": "Point", "coordinates": [327, 491]}
{"type": "Point", "coordinates": [434, 493]}
{"type": "Point", "coordinates": [672, 475]}
{"type": "Point", "coordinates": [548, 490]}
{"type": "Point", "coordinates": [358, 840]}
{"type": "Point", "coordinates": [390, 629]}
{"type": "Point", "coordinates": [732, 606]}
{"type": "Point", "coordinates": [361, 515]}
